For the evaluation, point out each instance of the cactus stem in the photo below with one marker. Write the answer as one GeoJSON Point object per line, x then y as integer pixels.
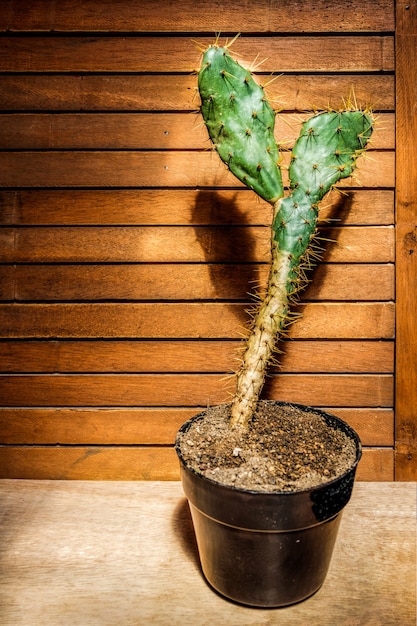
{"type": "Point", "coordinates": [271, 320]}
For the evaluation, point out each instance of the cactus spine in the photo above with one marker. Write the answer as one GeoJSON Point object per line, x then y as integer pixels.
{"type": "Point", "coordinates": [240, 122]}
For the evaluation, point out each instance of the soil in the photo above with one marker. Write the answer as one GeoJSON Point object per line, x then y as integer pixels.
{"type": "Point", "coordinates": [284, 449]}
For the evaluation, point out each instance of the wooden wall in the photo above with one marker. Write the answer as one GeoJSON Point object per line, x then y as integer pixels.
{"type": "Point", "coordinates": [127, 250]}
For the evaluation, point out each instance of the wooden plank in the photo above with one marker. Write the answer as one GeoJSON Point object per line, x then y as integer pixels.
{"type": "Point", "coordinates": [114, 92]}
{"type": "Point", "coordinates": [376, 464]}
{"type": "Point", "coordinates": [148, 169]}
{"type": "Point", "coordinates": [346, 243]}
{"type": "Point", "coordinates": [339, 282]}
{"type": "Point", "coordinates": [406, 206]}
{"type": "Point", "coordinates": [135, 244]}
{"type": "Point", "coordinates": [148, 245]}
{"type": "Point", "coordinates": [186, 282]}
{"type": "Point", "coordinates": [141, 131]}
{"type": "Point", "coordinates": [177, 207]}
{"type": "Point", "coordinates": [328, 53]}
{"type": "Point", "coordinates": [134, 282]}
{"type": "Point", "coordinates": [89, 463]}
{"type": "Point", "coordinates": [93, 538]}
{"type": "Point", "coordinates": [193, 321]}
{"type": "Point", "coordinates": [137, 463]}
{"type": "Point", "coordinates": [334, 356]}
{"type": "Point", "coordinates": [375, 426]}
{"type": "Point", "coordinates": [103, 15]}
{"type": "Point", "coordinates": [371, 390]}
{"type": "Point", "coordinates": [189, 356]}
{"type": "Point", "coordinates": [349, 390]}
{"type": "Point", "coordinates": [198, 244]}
{"type": "Point", "coordinates": [127, 426]}
{"type": "Point", "coordinates": [7, 281]}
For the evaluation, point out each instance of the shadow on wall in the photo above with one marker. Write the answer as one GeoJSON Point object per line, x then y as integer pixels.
{"type": "Point", "coordinates": [230, 250]}
{"type": "Point", "coordinates": [336, 213]}
{"type": "Point", "coordinates": [227, 238]}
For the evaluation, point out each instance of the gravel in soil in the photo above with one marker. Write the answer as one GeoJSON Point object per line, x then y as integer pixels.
{"type": "Point", "coordinates": [284, 449]}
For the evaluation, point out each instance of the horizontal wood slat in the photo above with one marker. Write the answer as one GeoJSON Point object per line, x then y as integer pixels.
{"type": "Point", "coordinates": [376, 464]}
{"type": "Point", "coordinates": [148, 169]}
{"type": "Point", "coordinates": [197, 244]}
{"type": "Point", "coordinates": [190, 389]}
{"type": "Point", "coordinates": [185, 282]}
{"type": "Point", "coordinates": [182, 244]}
{"type": "Point", "coordinates": [148, 15]}
{"type": "Point", "coordinates": [148, 426]}
{"type": "Point", "coordinates": [147, 463]}
{"type": "Point", "coordinates": [177, 207]}
{"type": "Point", "coordinates": [189, 356]}
{"type": "Point", "coordinates": [351, 282]}
{"type": "Point", "coordinates": [145, 131]}
{"type": "Point", "coordinates": [193, 320]}
{"type": "Point", "coordinates": [349, 53]}
{"type": "Point", "coordinates": [178, 92]}
{"type": "Point", "coordinates": [91, 463]}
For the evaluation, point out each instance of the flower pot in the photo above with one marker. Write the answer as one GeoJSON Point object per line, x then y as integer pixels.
{"type": "Point", "coordinates": [267, 549]}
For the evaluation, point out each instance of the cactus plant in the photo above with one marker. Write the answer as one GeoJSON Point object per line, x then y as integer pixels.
{"type": "Point", "coordinates": [266, 493]}
{"type": "Point", "coordinates": [240, 122]}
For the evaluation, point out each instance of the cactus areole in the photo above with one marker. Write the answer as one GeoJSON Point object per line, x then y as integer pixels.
{"type": "Point", "coordinates": [240, 122]}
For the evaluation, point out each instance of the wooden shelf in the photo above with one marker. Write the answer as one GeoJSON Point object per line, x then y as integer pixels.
{"type": "Point", "coordinates": [107, 553]}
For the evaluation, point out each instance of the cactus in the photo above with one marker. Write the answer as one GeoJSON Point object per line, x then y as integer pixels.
{"type": "Point", "coordinates": [240, 123]}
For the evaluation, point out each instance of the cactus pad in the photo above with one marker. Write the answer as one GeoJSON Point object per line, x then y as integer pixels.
{"type": "Point", "coordinates": [240, 122]}
{"type": "Point", "coordinates": [325, 152]}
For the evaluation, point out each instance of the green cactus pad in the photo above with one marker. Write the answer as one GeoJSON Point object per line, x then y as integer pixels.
{"type": "Point", "coordinates": [240, 122]}
{"type": "Point", "coordinates": [327, 149]}
{"type": "Point", "coordinates": [325, 152]}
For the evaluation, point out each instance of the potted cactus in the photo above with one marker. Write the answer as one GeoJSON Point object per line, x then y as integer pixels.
{"type": "Point", "coordinates": [267, 481]}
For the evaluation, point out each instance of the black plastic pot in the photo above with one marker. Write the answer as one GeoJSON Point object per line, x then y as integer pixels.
{"type": "Point", "coordinates": [267, 549]}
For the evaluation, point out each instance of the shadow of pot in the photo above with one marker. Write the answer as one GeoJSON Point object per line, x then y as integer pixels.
{"type": "Point", "coordinates": [267, 549]}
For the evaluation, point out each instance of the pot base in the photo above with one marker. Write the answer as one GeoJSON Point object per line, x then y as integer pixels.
{"type": "Point", "coordinates": [264, 569]}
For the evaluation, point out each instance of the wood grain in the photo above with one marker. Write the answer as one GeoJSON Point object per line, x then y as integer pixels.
{"type": "Point", "coordinates": [95, 15]}
{"type": "Point", "coordinates": [133, 463]}
{"type": "Point", "coordinates": [148, 169]}
{"type": "Point", "coordinates": [177, 92]}
{"type": "Point", "coordinates": [94, 538]}
{"type": "Point", "coordinates": [144, 131]}
{"type": "Point", "coordinates": [148, 426]}
{"type": "Point", "coordinates": [189, 356]}
{"type": "Point", "coordinates": [186, 282]}
{"type": "Point", "coordinates": [370, 390]}
{"type": "Point", "coordinates": [192, 321]}
{"type": "Point", "coordinates": [328, 53]}
{"type": "Point", "coordinates": [177, 207]}
{"type": "Point", "coordinates": [406, 206]}
{"type": "Point", "coordinates": [182, 244]}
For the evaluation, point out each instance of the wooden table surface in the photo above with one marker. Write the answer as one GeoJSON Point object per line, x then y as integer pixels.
{"type": "Point", "coordinates": [123, 553]}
